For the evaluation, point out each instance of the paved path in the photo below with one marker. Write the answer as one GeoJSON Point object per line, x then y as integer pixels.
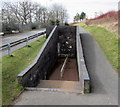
{"type": "Point", "coordinates": [15, 37]}
{"type": "Point", "coordinates": [104, 82]}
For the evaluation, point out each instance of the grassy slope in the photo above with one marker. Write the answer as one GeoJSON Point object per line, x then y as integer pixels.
{"type": "Point", "coordinates": [108, 41]}
{"type": "Point", "coordinates": [11, 66]}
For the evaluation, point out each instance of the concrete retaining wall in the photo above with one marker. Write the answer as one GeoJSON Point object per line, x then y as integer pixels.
{"type": "Point", "coordinates": [83, 73]}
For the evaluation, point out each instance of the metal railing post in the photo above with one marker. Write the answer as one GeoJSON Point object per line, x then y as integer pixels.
{"type": "Point", "coordinates": [27, 41]}
{"type": "Point", "coordinates": [37, 36]}
{"type": "Point", "coordinates": [9, 49]}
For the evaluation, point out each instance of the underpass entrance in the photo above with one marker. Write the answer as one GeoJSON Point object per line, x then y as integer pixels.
{"type": "Point", "coordinates": [64, 76]}
{"type": "Point", "coordinates": [59, 65]}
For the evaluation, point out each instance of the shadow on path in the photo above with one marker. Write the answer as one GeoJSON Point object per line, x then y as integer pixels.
{"type": "Point", "coordinates": [88, 45]}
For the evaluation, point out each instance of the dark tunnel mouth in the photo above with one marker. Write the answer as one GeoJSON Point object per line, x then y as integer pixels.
{"type": "Point", "coordinates": [66, 46]}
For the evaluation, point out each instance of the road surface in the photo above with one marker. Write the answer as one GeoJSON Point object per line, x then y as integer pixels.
{"type": "Point", "coordinates": [104, 80]}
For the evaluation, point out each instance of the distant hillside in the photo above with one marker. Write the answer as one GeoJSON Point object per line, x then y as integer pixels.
{"type": "Point", "coordinates": [108, 20]}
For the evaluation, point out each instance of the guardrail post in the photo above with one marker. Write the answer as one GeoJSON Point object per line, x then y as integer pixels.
{"type": "Point", "coordinates": [37, 36]}
{"type": "Point", "coordinates": [9, 49]}
{"type": "Point", "coordinates": [26, 41]}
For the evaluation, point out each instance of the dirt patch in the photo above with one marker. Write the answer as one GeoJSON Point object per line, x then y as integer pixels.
{"type": "Point", "coordinates": [70, 70]}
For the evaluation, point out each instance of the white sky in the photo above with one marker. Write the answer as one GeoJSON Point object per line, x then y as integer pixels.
{"type": "Point", "coordinates": [88, 6]}
{"type": "Point", "coordinates": [77, 6]}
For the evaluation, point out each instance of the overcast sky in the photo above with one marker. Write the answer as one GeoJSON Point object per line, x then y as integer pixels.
{"type": "Point", "coordinates": [77, 6]}
{"type": "Point", "coordinates": [88, 6]}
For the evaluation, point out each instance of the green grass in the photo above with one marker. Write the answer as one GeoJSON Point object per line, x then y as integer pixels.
{"type": "Point", "coordinates": [13, 65]}
{"type": "Point", "coordinates": [108, 41]}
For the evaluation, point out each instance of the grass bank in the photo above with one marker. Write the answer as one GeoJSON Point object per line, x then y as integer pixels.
{"type": "Point", "coordinates": [13, 65]}
{"type": "Point", "coordinates": [108, 41]}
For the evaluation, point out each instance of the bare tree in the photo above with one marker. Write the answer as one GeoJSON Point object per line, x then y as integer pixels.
{"type": "Point", "coordinates": [24, 12]}
{"type": "Point", "coordinates": [9, 14]}
{"type": "Point", "coordinates": [58, 12]}
{"type": "Point", "coordinates": [27, 13]}
{"type": "Point", "coordinates": [38, 13]}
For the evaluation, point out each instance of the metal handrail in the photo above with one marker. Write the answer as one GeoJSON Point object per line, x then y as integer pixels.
{"type": "Point", "coordinates": [63, 66]}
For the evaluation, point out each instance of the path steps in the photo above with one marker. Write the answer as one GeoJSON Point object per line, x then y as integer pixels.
{"type": "Point", "coordinates": [58, 86]}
